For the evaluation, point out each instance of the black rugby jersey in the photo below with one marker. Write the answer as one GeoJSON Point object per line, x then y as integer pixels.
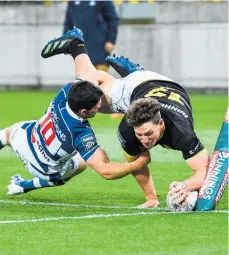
{"type": "Point", "coordinates": [176, 111]}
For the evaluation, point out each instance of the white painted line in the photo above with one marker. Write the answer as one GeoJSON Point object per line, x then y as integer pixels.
{"type": "Point", "coordinates": [78, 205]}
{"type": "Point", "coordinates": [25, 202]}
{"type": "Point", "coordinates": [94, 216]}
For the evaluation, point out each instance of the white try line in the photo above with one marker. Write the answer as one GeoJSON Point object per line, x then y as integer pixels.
{"type": "Point", "coordinates": [24, 202]}
{"type": "Point", "coordinates": [96, 216]}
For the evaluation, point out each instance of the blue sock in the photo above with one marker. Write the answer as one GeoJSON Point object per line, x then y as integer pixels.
{"type": "Point", "coordinates": [35, 183]}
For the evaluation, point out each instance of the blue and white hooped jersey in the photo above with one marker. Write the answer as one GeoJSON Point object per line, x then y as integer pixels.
{"type": "Point", "coordinates": [60, 133]}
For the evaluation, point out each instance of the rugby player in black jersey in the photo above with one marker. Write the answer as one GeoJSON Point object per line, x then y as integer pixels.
{"type": "Point", "coordinates": [158, 111]}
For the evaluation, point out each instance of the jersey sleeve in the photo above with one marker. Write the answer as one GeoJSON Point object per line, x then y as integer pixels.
{"type": "Point", "coordinates": [85, 143]}
{"type": "Point", "coordinates": [192, 148]}
{"type": "Point", "coordinates": [188, 142]}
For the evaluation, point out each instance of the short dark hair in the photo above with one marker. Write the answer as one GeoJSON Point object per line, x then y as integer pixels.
{"type": "Point", "coordinates": [83, 95]}
{"type": "Point", "coordinates": [143, 110]}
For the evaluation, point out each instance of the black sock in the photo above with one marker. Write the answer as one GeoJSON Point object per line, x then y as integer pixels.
{"type": "Point", "coordinates": [77, 48]}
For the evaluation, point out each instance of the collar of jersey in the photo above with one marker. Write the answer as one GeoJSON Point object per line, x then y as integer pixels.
{"type": "Point", "coordinates": [73, 115]}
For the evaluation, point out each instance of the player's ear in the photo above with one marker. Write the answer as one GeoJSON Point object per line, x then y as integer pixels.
{"type": "Point", "coordinates": [161, 122]}
{"type": "Point", "coordinates": [82, 113]}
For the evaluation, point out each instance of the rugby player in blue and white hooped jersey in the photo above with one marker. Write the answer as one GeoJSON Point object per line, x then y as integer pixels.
{"type": "Point", "coordinates": [56, 147]}
{"type": "Point", "coordinates": [158, 111]}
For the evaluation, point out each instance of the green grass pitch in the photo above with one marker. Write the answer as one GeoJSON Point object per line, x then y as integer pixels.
{"type": "Point", "coordinates": [92, 216]}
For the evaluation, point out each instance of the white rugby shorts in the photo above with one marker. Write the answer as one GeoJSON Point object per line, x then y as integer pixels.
{"type": "Point", "coordinates": [19, 144]}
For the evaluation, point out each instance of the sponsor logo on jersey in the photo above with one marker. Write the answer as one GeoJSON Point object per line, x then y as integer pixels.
{"type": "Point", "coordinates": [175, 109]}
{"type": "Point", "coordinates": [88, 141]}
{"type": "Point", "coordinates": [191, 152]}
{"type": "Point", "coordinates": [55, 120]}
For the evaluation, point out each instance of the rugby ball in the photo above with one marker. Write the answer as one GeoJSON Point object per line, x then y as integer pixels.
{"type": "Point", "coordinates": [186, 206]}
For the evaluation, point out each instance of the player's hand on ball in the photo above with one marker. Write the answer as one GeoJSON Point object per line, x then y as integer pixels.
{"type": "Point", "coordinates": [175, 186]}
{"type": "Point", "coordinates": [182, 194]}
{"type": "Point", "coordinates": [179, 192]}
{"type": "Point", "coordinates": [151, 203]}
{"type": "Point", "coordinates": [186, 205]}
{"type": "Point", "coordinates": [179, 197]}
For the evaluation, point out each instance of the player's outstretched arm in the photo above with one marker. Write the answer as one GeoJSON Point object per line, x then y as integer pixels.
{"type": "Point", "coordinates": [112, 170]}
{"type": "Point", "coordinates": [145, 181]}
{"type": "Point", "coordinates": [199, 163]}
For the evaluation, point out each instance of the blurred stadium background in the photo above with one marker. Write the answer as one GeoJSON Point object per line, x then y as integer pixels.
{"type": "Point", "coordinates": [185, 40]}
